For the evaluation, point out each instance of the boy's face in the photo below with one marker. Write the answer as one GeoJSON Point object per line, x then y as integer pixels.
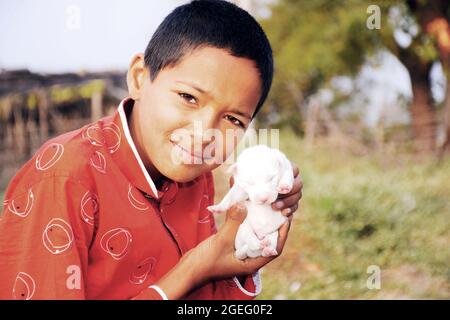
{"type": "Point", "coordinates": [208, 91]}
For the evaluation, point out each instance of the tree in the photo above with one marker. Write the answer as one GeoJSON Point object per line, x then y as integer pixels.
{"type": "Point", "coordinates": [434, 19]}
{"type": "Point", "coordinates": [315, 41]}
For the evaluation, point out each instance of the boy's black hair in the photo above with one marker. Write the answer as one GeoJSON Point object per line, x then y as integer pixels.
{"type": "Point", "coordinates": [215, 23]}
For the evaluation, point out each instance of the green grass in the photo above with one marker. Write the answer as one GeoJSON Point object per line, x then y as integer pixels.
{"type": "Point", "coordinates": [392, 211]}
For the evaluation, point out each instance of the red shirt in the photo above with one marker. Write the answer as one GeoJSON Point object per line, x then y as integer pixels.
{"type": "Point", "coordinates": [83, 219]}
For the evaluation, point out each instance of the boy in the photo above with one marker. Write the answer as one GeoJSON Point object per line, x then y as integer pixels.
{"type": "Point", "coordinates": [104, 212]}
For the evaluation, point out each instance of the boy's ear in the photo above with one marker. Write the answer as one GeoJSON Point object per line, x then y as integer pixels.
{"type": "Point", "coordinates": [135, 76]}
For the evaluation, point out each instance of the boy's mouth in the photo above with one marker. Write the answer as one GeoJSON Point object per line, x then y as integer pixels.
{"type": "Point", "coordinates": [189, 157]}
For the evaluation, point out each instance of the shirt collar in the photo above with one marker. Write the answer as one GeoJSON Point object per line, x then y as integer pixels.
{"type": "Point", "coordinates": [129, 161]}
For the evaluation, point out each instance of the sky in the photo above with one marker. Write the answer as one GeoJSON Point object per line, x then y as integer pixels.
{"type": "Point", "coordinates": [73, 35]}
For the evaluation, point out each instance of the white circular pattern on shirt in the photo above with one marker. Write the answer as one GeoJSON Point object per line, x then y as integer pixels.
{"type": "Point", "coordinates": [57, 244]}
{"type": "Point", "coordinates": [142, 206]}
{"type": "Point", "coordinates": [15, 207]}
{"type": "Point", "coordinates": [94, 135]}
{"type": "Point", "coordinates": [24, 287]}
{"type": "Point", "coordinates": [123, 238]}
{"type": "Point", "coordinates": [142, 270]}
{"type": "Point", "coordinates": [98, 161]}
{"type": "Point", "coordinates": [53, 152]}
{"type": "Point", "coordinates": [115, 136]}
{"type": "Point", "coordinates": [207, 217]}
{"type": "Point", "coordinates": [89, 207]}
{"type": "Point", "coordinates": [108, 135]}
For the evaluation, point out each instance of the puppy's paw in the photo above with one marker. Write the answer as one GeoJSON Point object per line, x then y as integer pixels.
{"type": "Point", "coordinates": [284, 188]}
{"type": "Point", "coordinates": [240, 255]}
{"type": "Point", "coordinates": [268, 252]}
{"type": "Point", "coordinates": [216, 209]}
{"type": "Point", "coordinates": [265, 243]}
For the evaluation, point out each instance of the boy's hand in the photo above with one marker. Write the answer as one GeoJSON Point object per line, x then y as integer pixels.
{"type": "Point", "coordinates": [214, 257]}
{"type": "Point", "coordinates": [288, 203]}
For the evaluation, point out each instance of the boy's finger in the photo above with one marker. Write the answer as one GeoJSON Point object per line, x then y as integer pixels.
{"type": "Point", "coordinates": [235, 215]}
{"type": "Point", "coordinates": [253, 264]}
{"type": "Point", "coordinates": [282, 235]}
{"type": "Point", "coordinates": [288, 202]}
{"type": "Point", "coordinates": [288, 212]}
{"type": "Point", "coordinates": [297, 188]}
{"type": "Point", "coordinates": [231, 181]}
{"type": "Point", "coordinates": [295, 169]}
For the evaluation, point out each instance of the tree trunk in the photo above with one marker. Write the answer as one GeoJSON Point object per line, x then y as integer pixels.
{"type": "Point", "coordinates": [446, 145]}
{"type": "Point", "coordinates": [422, 112]}
{"type": "Point", "coordinates": [440, 29]}
{"type": "Point", "coordinates": [433, 19]}
{"type": "Point", "coordinates": [423, 118]}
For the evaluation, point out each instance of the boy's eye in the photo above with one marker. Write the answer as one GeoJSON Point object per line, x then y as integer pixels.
{"type": "Point", "coordinates": [188, 98]}
{"type": "Point", "coordinates": [235, 121]}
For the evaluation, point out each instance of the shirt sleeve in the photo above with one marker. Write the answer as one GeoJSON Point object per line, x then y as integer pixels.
{"type": "Point", "coordinates": [232, 289]}
{"type": "Point", "coordinates": [153, 292]}
{"type": "Point", "coordinates": [46, 228]}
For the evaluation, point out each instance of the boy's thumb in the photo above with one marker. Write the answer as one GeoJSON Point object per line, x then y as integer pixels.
{"type": "Point", "coordinates": [235, 215]}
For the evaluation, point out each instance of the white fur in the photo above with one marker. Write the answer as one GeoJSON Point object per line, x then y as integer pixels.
{"type": "Point", "coordinates": [260, 174]}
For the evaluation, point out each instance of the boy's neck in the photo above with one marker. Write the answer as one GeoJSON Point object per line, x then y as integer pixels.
{"type": "Point", "coordinates": [131, 116]}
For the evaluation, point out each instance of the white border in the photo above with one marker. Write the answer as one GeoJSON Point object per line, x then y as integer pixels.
{"type": "Point", "coordinates": [123, 119]}
{"type": "Point", "coordinates": [256, 280]}
{"type": "Point", "coordinates": [160, 291]}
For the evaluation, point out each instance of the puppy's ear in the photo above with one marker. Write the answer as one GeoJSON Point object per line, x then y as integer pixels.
{"type": "Point", "coordinates": [284, 163]}
{"type": "Point", "coordinates": [287, 174]}
{"type": "Point", "coordinates": [232, 170]}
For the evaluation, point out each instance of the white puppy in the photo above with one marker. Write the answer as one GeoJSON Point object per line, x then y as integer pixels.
{"type": "Point", "coordinates": [260, 173]}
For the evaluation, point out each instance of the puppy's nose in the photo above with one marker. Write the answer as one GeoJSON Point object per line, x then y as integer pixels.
{"type": "Point", "coordinates": [263, 198]}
